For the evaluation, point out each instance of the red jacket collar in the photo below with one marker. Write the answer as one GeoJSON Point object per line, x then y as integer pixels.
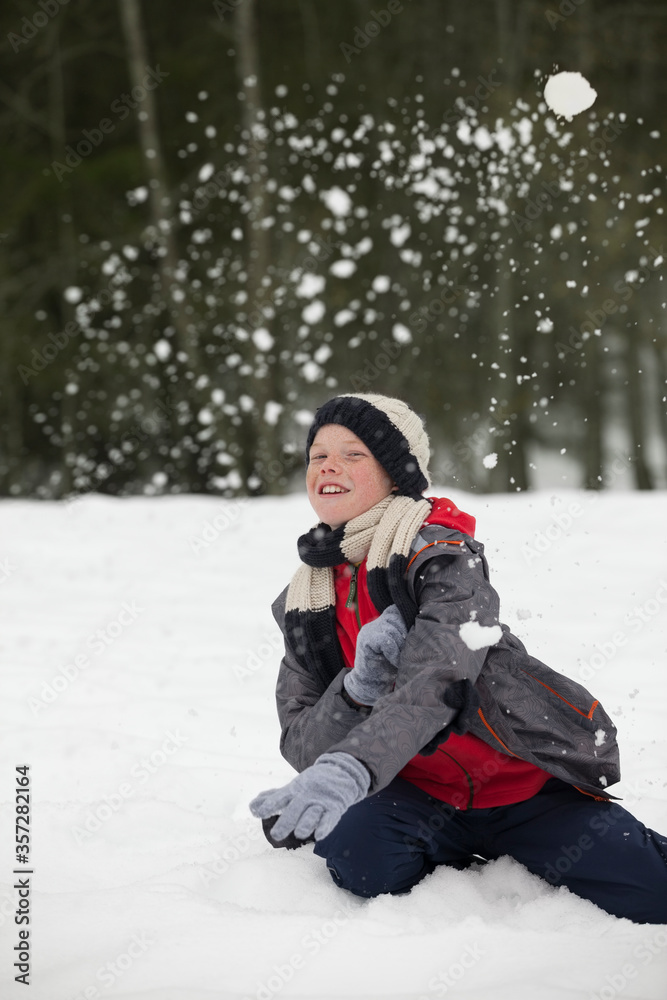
{"type": "Point", "coordinates": [446, 513]}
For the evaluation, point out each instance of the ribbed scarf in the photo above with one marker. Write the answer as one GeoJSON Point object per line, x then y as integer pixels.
{"type": "Point", "coordinates": [384, 534]}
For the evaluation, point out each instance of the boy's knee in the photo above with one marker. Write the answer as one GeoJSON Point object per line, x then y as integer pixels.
{"type": "Point", "coordinates": [356, 883]}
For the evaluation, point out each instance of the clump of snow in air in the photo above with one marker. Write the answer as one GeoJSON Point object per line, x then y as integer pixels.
{"type": "Point", "coordinates": [73, 294]}
{"type": "Point", "coordinates": [568, 94]}
{"type": "Point", "coordinates": [401, 334]}
{"type": "Point", "coordinates": [162, 349]}
{"type": "Point", "coordinates": [337, 201]}
{"type": "Point", "coordinates": [310, 285]}
{"type": "Point", "coordinates": [490, 461]}
{"type": "Point", "coordinates": [478, 636]}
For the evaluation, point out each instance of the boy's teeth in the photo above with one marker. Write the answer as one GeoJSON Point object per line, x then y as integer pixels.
{"type": "Point", "coordinates": [332, 489]}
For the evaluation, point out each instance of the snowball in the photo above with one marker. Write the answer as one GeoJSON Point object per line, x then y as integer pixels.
{"type": "Point", "coordinates": [490, 461]}
{"type": "Point", "coordinates": [568, 94]}
{"type": "Point", "coordinates": [478, 636]}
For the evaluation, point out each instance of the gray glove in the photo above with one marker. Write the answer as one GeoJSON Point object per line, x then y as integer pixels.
{"type": "Point", "coordinates": [315, 800]}
{"type": "Point", "coordinates": [379, 646]}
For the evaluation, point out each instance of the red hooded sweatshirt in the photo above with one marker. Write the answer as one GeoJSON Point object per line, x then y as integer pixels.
{"type": "Point", "coordinates": [463, 771]}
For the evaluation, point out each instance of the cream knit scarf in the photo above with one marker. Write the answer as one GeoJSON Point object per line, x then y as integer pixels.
{"type": "Point", "coordinates": [384, 534]}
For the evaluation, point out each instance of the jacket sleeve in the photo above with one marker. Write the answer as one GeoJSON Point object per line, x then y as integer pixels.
{"type": "Point", "coordinates": [311, 720]}
{"type": "Point", "coordinates": [451, 590]}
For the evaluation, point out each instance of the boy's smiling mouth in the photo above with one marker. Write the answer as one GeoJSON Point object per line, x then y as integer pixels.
{"type": "Point", "coordinates": [331, 489]}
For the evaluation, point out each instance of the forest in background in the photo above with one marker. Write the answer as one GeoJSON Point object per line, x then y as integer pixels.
{"type": "Point", "coordinates": [217, 215]}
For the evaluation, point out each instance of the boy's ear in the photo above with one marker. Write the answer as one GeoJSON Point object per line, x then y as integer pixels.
{"type": "Point", "coordinates": [394, 488]}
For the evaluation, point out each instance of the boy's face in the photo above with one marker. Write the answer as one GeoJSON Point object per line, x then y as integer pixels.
{"type": "Point", "coordinates": [343, 478]}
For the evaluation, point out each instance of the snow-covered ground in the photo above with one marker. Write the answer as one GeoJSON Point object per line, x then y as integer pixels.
{"type": "Point", "coordinates": [138, 664]}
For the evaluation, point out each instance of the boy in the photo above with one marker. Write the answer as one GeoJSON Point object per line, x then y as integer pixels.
{"type": "Point", "coordinates": [423, 731]}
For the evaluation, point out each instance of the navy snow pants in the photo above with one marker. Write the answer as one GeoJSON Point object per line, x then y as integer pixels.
{"type": "Point", "coordinates": [391, 840]}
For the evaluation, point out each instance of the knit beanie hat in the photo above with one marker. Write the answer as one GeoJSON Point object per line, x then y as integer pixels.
{"type": "Point", "coordinates": [393, 433]}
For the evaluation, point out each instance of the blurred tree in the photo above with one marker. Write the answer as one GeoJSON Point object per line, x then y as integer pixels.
{"type": "Point", "coordinates": [380, 201]}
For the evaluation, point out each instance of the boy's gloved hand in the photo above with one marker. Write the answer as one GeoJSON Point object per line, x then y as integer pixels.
{"type": "Point", "coordinates": [315, 800]}
{"type": "Point", "coordinates": [379, 646]}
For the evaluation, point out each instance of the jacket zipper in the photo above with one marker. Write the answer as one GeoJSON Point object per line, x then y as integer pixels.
{"type": "Point", "coordinates": [351, 601]}
{"type": "Point", "coordinates": [468, 778]}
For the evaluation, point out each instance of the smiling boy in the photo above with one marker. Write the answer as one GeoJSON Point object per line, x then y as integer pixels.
{"type": "Point", "coordinates": [343, 478]}
{"type": "Point", "coordinates": [423, 731]}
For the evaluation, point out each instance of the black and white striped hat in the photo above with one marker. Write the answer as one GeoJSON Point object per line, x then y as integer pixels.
{"type": "Point", "coordinates": [392, 431]}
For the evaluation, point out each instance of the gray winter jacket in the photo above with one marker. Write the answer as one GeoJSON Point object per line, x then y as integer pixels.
{"type": "Point", "coordinates": [526, 708]}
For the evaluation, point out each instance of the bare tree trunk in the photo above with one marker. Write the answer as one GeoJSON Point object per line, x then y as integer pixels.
{"type": "Point", "coordinates": [11, 410]}
{"type": "Point", "coordinates": [635, 411]}
{"type": "Point", "coordinates": [261, 438]}
{"type": "Point", "coordinates": [161, 207]}
{"type": "Point", "coordinates": [66, 261]}
{"type": "Point", "coordinates": [591, 406]}
{"type": "Point", "coordinates": [659, 350]}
